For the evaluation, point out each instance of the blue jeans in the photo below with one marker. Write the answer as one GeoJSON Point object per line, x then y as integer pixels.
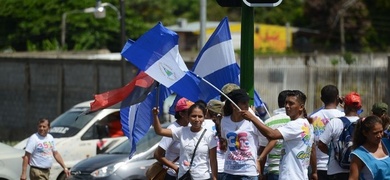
{"type": "Point", "coordinates": [169, 177]}
{"type": "Point", "coordinates": [221, 176]}
{"type": "Point", "coordinates": [239, 177]}
{"type": "Point", "coordinates": [272, 176]}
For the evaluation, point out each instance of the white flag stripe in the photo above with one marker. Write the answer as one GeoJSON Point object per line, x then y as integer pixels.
{"type": "Point", "coordinates": [211, 59]}
{"type": "Point", "coordinates": [166, 70]}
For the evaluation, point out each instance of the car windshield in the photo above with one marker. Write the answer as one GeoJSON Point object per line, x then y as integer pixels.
{"type": "Point", "coordinates": [146, 142]}
{"type": "Point", "coordinates": [70, 123]}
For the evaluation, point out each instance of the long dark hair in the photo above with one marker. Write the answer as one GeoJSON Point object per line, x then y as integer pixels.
{"type": "Point", "coordinates": [227, 108]}
{"type": "Point", "coordinates": [364, 125]}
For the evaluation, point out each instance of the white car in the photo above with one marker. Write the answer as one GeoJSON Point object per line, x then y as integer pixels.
{"type": "Point", "coordinates": [10, 162]}
{"type": "Point", "coordinates": [78, 135]}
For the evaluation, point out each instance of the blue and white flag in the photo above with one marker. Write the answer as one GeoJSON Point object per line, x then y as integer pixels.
{"type": "Point", "coordinates": [156, 52]}
{"type": "Point", "coordinates": [216, 62]}
{"type": "Point", "coordinates": [137, 119]}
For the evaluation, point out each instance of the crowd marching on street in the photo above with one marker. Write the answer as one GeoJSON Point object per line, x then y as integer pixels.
{"type": "Point", "coordinates": [227, 139]}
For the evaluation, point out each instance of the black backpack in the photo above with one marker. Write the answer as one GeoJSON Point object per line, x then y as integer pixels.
{"type": "Point", "coordinates": [343, 148]}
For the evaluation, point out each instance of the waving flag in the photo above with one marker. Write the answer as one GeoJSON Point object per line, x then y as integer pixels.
{"type": "Point", "coordinates": [157, 53]}
{"type": "Point", "coordinates": [137, 119]}
{"type": "Point", "coordinates": [138, 89]}
{"type": "Point", "coordinates": [216, 62]}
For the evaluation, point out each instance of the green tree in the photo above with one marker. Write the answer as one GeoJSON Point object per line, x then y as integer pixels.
{"type": "Point", "coordinates": [324, 16]}
{"type": "Point", "coordinates": [378, 35]}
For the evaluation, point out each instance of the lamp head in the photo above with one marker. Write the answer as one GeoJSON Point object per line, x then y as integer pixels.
{"type": "Point", "coordinates": [100, 11]}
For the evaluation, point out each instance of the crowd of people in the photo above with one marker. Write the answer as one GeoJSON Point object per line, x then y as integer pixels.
{"type": "Point", "coordinates": [227, 139]}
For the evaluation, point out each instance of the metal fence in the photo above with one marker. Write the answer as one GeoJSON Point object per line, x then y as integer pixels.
{"type": "Point", "coordinates": [368, 76]}
{"type": "Point", "coordinates": [31, 88]}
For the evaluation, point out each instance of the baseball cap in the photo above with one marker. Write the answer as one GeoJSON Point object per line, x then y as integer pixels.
{"type": "Point", "coordinates": [353, 99]}
{"type": "Point", "coordinates": [183, 104]}
{"type": "Point", "coordinates": [379, 108]}
{"type": "Point", "coordinates": [239, 95]}
{"type": "Point", "coordinates": [229, 87]}
{"type": "Point", "coordinates": [215, 106]}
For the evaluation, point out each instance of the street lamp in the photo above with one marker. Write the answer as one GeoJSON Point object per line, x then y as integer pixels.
{"type": "Point", "coordinates": [99, 12]}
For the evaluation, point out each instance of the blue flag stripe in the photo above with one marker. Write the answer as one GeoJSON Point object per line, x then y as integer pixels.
{"type": "Point", "coordinates": [221, 34]}
{"type": "Point", "coordinates": [147, 50]}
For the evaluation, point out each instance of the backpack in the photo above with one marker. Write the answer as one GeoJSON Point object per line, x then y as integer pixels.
{"type": "Point", "coordinates": [343, 147]}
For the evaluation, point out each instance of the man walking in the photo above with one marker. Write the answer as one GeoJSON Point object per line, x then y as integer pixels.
{"type": "Point", "coordinates": [333, 130]}
{"type": "Point", "coordinates": [330, 98]}
{"type": "Point", "coordinates": [40, 151]}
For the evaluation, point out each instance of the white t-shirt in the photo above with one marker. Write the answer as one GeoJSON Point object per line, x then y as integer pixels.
{"type": "Point", "coordinates": [298, 139]}
{"type": "Point", "coordinates": [171, 147]}
{"type": "Point", "coordinates": [278, 120]}
{"type": "Point", "coordinates": [243, 140]}
{"type": "Point", "coordinates": [332, 134]}
{"type": "Point", "coordinates": [200, 168]}
{"type": "Point", "coordinates": [320, 119]}
{"type": "Point", "coordinates": [210, 126]}
{"type": "Point", "coordinates": [41, 150]}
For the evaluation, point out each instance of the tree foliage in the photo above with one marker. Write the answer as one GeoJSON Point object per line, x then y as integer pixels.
{"type": "Point", "coordinates": [324, 15]}
{"type": "Point", "coordinates": [35, 25]}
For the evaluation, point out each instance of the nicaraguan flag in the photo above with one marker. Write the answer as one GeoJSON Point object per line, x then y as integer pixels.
{"type": "Point", "coordinates": [156, 52]}
{"type": "Point", "coordinates": [216, 62]}
{"type": "Point", "coordinates": [137, 119]}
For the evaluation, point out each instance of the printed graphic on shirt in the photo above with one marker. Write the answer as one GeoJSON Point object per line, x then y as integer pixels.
{"type": "Point", "coordinates": [45, 148]}
{"type": "Point", "coordinates": [304, 155]}
{"type": "Point", "coordinates": [319, 125]}
{"type": "Point", "coordinates": [306, 134]}
{"type": "Point", "coordinates": [239, 146]}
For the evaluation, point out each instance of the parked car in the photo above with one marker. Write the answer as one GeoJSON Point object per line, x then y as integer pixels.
{"type": "Point", "coordinates": [10, 162]}
{"type": "Point", "coordinates": [79, 135]}
{"type": "Point", "coordinates": [115, 164]}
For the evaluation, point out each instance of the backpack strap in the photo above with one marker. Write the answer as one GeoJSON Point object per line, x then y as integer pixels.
{"type": "Point", "coordinates": [346, 124]}
{"type": "Point", "coordinates": [345, 121]}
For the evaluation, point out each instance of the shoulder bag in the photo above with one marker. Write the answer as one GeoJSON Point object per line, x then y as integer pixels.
{"type": "Point", "coordinates": [156, 171]}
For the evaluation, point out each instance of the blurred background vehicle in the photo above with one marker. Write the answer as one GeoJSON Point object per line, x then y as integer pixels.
{"type": "Point", "coordinates": [115, 164]}
{"type": "Point", "coordinates": [10, 162]}
{"type": "Point", "coordinates": [79, 135]}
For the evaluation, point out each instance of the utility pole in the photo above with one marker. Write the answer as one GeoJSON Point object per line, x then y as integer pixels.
{"type": "Point", "coordinates": [247, 48]}
{"type": "Point", "coordinates": [247, 37]}
{"type": "Point", "coordinates": [203, 21]}
{"type": "Point", "coordinates": [342, 35]}
{"type": "Point", "coordinates": [123, 40]}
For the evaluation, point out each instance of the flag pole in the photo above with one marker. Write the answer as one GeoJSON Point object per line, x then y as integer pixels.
{"type": "Point", "coordinates": [266, 109]}
{"type": "Point", "coordinates": [157, 94]}
{"type": "Point", "coordinates": [227, 97]}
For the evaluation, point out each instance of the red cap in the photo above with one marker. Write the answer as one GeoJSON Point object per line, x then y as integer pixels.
{"type": "Point", "coordinates": [183, 104]}
{"type": "Point", "coordinates": [353, 99]}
